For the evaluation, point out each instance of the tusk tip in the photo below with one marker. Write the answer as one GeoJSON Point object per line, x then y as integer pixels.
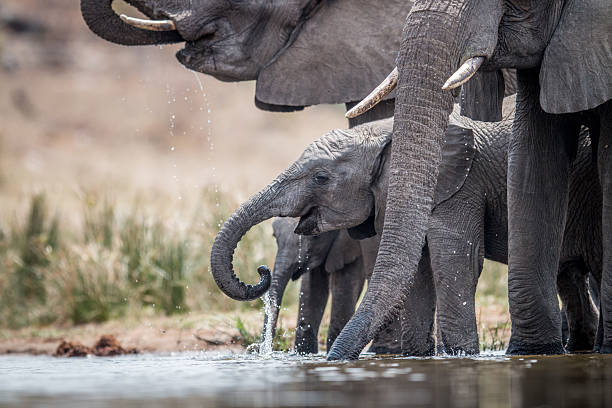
{"type": "Point", "coordinates": [449, 85]}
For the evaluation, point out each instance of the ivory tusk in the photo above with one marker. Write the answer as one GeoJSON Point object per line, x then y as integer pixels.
{"type": "Point", "coordinates": [375, 96]}
{"type": "Point", "coordinates": [464, 73]}
{"type": "Point", "coordinates": [151, 25]}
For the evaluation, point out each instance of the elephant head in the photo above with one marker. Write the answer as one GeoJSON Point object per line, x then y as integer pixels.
{"type": "Point", "coordinates": [319, 188]}
{"type": "Point", "coordinates": [449, 41]}
{"type": "Point", "coordinates": [343, 46]}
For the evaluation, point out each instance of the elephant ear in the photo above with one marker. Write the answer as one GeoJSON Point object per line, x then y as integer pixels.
{"type": "Point", "coordinates": [342, 52]}
{"type": "Point", "coordinates": [344, 251]}
{"type": "Point", "coordinates": [457, 157]}
{"type": "Point", "coordinates": [577, 64]}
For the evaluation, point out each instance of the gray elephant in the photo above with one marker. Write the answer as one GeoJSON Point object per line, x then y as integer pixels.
{"type": "Point", "coordinates": [340, 181]}
{"type": "Point", "coordinates": [561, 49]}
{"type": "Point", "coordinates": [329, 262]}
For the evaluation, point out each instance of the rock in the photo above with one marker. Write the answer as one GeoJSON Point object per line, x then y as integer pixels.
{"type": "Point", "coordinates": [106, 346]}
{"type": "Point", "coordinates": [68, 349]}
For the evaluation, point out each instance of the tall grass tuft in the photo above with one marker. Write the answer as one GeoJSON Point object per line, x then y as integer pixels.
{"type": "Point", "coordinates": [117, 264]}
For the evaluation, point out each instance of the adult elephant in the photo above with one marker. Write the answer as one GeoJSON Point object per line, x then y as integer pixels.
{"type": "Point", "coordinates": [561, 49]}
{"type": "Point", "coordinates": [342, 46]}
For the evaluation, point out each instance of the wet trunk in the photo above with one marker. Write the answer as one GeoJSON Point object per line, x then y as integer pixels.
{"type": "Point", "coordinates": [270, 202]}
{"type": "Point", "coordinates": [254, 211]}
{"type": "Point", "coordinates": [104, 22]}
{"type": "Point", "coordinates": [428, 56]}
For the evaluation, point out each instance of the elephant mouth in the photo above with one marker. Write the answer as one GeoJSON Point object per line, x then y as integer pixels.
{"type": "Point", "coordinates": [309, 223]}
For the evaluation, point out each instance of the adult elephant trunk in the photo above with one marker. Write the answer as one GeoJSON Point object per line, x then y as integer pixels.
{"type": "Point", "coordinates": [103, 21]}
{"type": "Point", "coordinates": [428, 55]}
{"type": "Point", "coordinates": [269, 202]}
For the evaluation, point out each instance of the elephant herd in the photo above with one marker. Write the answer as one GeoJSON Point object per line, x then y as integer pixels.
{"type": "Point", "coordinates": [439, 169]}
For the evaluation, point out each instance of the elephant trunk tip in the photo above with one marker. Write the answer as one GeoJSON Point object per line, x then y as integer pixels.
{"type": "Point", "coordinates": [262, 286]}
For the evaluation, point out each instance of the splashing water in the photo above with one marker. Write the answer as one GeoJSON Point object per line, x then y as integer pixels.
{"type": "Point", "coordinates": [265, 348]}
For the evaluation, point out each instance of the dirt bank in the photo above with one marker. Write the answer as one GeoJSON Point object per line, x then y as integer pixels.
{"type": "Point", "coordinates": [194, 332]}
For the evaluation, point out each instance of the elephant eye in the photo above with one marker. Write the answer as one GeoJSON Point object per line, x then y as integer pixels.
{"type": "Point", "coordinates": [321, 178]}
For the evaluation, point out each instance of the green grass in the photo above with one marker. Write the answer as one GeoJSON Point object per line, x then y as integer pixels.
{"type": "Point", "coordinates": [116, 264]}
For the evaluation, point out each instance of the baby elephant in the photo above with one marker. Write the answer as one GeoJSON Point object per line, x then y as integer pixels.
{"type": "Point", "coordinates": [340, 182]}
{"type": "Point", "coordinates": [329, 262]}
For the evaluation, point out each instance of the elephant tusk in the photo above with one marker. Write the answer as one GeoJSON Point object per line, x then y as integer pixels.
{"type": "Point", "coordinates": [464, 73]}
{"type": "Point", "coordinates": [375, 96]}
{"type": "Point", "coordinates": [151, 25]}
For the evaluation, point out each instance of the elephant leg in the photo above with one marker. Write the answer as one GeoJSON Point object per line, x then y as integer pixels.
{"type": "Point", "coordinates": [538, 168]}
{"type": "Point", "coordinates": [388, 340]}
{"type": "Point", "coordinates": [313, 299]}
{"type": "Point", "coordinates": [457, 256]}
{"type": "Point", "coordinates": [582, 319]}
{"type": "Point", "coordinates": [604, 161]}
{"type": "Point", "coordinates": [418, 313]}
{"type": "Point", "coordinates": [346, 286]}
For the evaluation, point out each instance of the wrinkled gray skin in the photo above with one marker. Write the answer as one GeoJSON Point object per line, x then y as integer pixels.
{"type": "Point", "coordinates": [564, 81]}
{"type": "Point", "coordinates": [331, 262]}
{"type": "Point", "coordinates": [345, 47]}
{"type": "Point", "coordinates": [340, 181]}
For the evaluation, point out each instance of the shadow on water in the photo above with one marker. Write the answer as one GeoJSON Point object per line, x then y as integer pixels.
{"type": "Point", "coordinates": [222, 380]}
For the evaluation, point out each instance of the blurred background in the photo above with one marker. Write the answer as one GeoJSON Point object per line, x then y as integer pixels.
{"type": "Point", "coordinates": [117, 168]}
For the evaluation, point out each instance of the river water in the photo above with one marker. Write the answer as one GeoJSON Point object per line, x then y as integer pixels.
{"type": "Point", "coordinates": [283, 380]}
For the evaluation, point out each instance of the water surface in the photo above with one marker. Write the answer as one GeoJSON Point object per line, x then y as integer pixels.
{"type": "Point", "coordinates": [239, 380]}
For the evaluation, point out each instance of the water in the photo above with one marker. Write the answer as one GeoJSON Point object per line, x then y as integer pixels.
{"type": "Point", "coordinates": [265, 348]}
{"type": "Point", "coordinates": [237, 380]}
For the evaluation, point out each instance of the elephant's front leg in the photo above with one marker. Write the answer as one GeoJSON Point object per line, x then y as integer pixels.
{"type": "Point", "coordinates": [313, 298]}
{"type": "Point", "coordinates": [457, 255]}
{"type": "Point", "coordinates": [418, 313]}
{"type": "Point", "coordinates": [604, 161]}
{"type": "Point", "coordinates": [538, 167]}
{"type": "Point", "coordinates": [346, 286]}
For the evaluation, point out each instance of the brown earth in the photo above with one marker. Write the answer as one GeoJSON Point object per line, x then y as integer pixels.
{"type": "Point", "coordinates": [192, 332]}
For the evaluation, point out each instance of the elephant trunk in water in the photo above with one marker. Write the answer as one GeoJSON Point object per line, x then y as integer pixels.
{"type": "Point", "coordinates": [428, 56]}
{"type": "Point", "coordinates": [102, 20]}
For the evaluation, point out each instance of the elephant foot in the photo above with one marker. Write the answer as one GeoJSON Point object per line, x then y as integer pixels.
{"type": "Point", "coordinates": [518, 348]}
{"type": "Point", "coordinates": [420, 351]}
{"type": "Point", "coordinates": [576, 347]}
{"type": "Point", "coordinates": [605, 349]}
{"type": "Point", "coordinates": [306, 342]}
